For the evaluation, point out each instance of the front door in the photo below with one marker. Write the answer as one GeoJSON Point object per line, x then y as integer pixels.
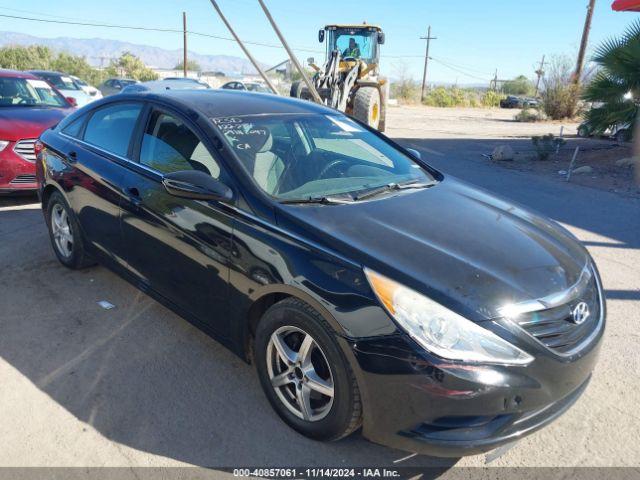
{"type": "Point", "coordinates": [177, 247]}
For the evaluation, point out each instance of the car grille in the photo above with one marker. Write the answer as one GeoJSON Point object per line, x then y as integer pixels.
{"type": "Point", "coordinates": [23, 179]}
{"type": "Point", "coordinates": [26, 150]}
{"type": "Point", "coordinates": [556, 328]}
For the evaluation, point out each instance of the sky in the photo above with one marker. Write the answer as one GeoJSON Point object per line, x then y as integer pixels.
{"type": "Point", "coordinates": [474, 37]}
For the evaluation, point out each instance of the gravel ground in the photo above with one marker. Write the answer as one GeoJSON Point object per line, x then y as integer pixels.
{"type": "Point", "coordinates": [138, 386]}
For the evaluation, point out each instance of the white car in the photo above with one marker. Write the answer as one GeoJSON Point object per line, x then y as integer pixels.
{"type": "Point", "coordinates": [65, 85]}
{"type": "Point", "coordinates": [88, 89]}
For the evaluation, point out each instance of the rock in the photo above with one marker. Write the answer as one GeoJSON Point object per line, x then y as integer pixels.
{"type": "Point", "coordinates": [626, 162]}
{"type": "Point", "coordinates": [503, 153]}
{"type": "Point", "coordinates": [583, 169]}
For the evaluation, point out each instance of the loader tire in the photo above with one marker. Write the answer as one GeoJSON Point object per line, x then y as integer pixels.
{"type": "Point", "coordinates": [366, 106]}
{"type": "Point", "coordinates": [296, 89]}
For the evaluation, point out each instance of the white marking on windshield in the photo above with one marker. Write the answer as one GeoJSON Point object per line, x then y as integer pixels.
{"type": "Point", "coordinates": [346, 127]}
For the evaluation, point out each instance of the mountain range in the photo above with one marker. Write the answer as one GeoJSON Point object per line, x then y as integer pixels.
{"type": "Point", "coordinates": [99, 51]}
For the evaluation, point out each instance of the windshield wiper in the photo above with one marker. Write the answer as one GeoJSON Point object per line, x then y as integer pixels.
{"type": "Point", "coordinates": [391, 187]}
{"type": "Point", "coordinates": [325, 200]}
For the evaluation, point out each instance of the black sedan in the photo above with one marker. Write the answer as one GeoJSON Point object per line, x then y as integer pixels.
{"type": "Point", "coordinates": [368, 289]}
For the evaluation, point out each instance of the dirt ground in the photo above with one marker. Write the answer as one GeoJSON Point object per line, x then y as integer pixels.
{"type": "Point", "coordinates": [432, 122]}
{"type": "Point", "coordinates": [475, 125]}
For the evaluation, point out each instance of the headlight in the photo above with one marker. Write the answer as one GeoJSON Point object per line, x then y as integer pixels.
{"type": "Point", "coordinates": [441, 331]}
{"type": "Point", "coordinates": [3, 144]}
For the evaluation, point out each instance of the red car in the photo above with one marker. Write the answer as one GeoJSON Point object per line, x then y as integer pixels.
{"type": "Point", "coordinates": [28, 106]}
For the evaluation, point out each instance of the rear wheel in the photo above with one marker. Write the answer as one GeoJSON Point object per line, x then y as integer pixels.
{"type": "Point", "coordinates": [366, 106]}
{"type": "Point", "coordinates": [64, 232]}
{"type": "Point", "coordinates": [304, 374]}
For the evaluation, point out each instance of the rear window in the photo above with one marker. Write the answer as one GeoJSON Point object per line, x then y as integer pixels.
{"type": "Point", "coordinates": [111, 128]}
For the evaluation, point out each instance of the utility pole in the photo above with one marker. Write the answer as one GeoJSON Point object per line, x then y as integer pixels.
{"type": "Point", "coordinates": [539, 73]}
{"type": "Point", "coordinates": [184, 44]}
{"type": "Point", "coordinates": [584, 42]}
{"type": "Point", "coordinates": [428, 38]}
{"type": "Point", "coordinates": [494, 83]}
{"type": "Point", "coordinates": [294, 59]}
{"type": "Point", "coordinates": [244, 48]}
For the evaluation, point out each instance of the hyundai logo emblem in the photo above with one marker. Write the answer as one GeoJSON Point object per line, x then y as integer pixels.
{"type": "Point", "coordinates": [580, 313]}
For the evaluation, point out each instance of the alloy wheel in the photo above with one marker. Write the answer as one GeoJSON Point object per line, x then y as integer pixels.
{"type": "Point", "coordinates": [61, 230]}
{"type": "Point", "coordinates": [300, 373]}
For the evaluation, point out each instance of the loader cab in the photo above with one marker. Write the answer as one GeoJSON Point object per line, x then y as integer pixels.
{"type": "Point", "coordinates": [360, 42]}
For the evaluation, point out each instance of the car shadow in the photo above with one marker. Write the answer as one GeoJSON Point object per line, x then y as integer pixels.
{"type": "Point", "coordinates": [139, 374]}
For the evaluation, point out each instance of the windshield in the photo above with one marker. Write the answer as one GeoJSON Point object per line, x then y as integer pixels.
{"type": "Point", "coordinates": [354, 43]}
{"type": "Point", "coordinates": [61, 82]}
{"type": "Point", "coordinates": [256, 87]}
{"type": "Point", "coordinates": [304, 156]}
{"type": "Point", "coordinates": [28, 92]}
{"type": "Point", "coordinates": [79, 82]}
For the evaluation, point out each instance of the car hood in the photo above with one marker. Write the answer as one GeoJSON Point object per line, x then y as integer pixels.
{"type": "Point", "coordinates": [461, 246]}
{"type": "Point", "coordinates": [28, 122]}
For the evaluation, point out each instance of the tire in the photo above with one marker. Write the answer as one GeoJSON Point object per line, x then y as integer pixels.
{"type": "Point", "coordinates": [366, 106]}
{"type": "Point", "coordinates": [68, 247]}
{"type": "Point", "coordinates": [296, 89]}
{"type": "Point", "coordinates": [623, 136]}
{"type": "Point", "coordinates": [292, 320]}
{"type": "Point", "coordinates": [583, 131]}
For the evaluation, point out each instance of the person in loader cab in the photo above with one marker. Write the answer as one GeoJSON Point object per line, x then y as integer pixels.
{"type": "Point", "coordinates": [353, 50]}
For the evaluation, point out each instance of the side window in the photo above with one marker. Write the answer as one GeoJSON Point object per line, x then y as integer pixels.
{"type": "Point", "coordinates": [169, 146]}
{"type": "Point", "coordinates": [75, 127]}
{"type": "Point", "coordinates": [111, 127]}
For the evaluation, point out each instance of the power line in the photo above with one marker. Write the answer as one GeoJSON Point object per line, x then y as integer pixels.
{"type": "Point", "coordinates": [450, 67]}
{"type": "Point", "coordinates": [148, 29]}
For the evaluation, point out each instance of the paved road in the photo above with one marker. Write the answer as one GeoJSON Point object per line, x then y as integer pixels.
{"type": "Point", "coordinates": [138, 386]}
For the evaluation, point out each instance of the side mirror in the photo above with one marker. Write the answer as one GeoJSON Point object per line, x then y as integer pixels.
{"type": "Point", "coordinates": [415, 153]}
{"type": "Point", "coordinates": [321, 36]}
{"type": "Point", "coordinates": [196, 185]}
{"type": "Point", "coordinates": [117, 86]}
{"type": "Point", "coordinates": [72, 101]}
{"type": "Point", "coordinates": [311, 60]}
{"type": "Point", "coordinates": [380, 38]}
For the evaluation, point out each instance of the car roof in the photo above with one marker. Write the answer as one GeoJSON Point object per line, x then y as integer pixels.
{"type": "Point", "coordinates": [37, 72]}
{"type": "Point", "coordinates": [214, 103]}
{"type": "Point", "coordinates": [6, 73]}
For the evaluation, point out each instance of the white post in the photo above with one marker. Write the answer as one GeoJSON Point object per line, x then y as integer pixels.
{"type": "Point", "coordinates": [573, 161]}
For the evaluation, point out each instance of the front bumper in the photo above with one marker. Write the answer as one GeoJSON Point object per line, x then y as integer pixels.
{"type": "Point", "coordinates": [419, 403]}
{"type": "Point", "coordinates": [16, 173]}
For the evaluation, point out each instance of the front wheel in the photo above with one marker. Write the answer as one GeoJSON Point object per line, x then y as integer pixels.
{"type": "Point", "coordinates": [304, 374]}
{"type": "Point", "coordinates": [296, 89]}
{"type": "Point", "coordinates": [623, 136]}
{"type": "Point", "coordinates": [366, 106]}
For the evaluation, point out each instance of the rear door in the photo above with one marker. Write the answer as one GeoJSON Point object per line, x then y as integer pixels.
{"type": "Point", "coordinates": [98, 149]}
{"type": "Point", "coordinates": [178, 247]}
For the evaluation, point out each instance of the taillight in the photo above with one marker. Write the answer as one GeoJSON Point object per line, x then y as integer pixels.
{"type": "Point", "coordinates": [38, 147]}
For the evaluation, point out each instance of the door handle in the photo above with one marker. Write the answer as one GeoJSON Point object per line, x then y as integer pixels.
{"type": "Point", "coordinates": [134, 195]}
{"type": "Point", "coordinates": [72, 156]}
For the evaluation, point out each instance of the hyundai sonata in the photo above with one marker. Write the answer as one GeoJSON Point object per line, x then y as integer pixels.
{"type": "Point", "coordinates": [369, 289]}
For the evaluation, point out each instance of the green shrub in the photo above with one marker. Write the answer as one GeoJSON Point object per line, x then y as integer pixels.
{"type": "Point", "coordinates": [546, 145]}
{"type": "Point", "coordinates": [530, 115]}
{"type": "Point", "coordinates": [491, 99]}
{"type": "Point", "coordinates": [520, 85]}
{"type": "Point", "coordinates": [405, 91]}
{"type": "Point", "coordinates": [560, 95]}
